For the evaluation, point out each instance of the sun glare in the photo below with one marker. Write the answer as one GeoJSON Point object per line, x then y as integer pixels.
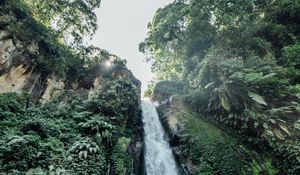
{"type": "Point", "coordinates": [108, 63]}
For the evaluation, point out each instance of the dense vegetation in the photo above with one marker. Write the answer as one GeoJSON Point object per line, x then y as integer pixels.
{"type": "Point", "coordinates": [239, 64]}
{"type": "Point", "coordinates": [70, 20]}
{"type": "Point", "coordinates": [59, 53]}
{"type": "Point", "coordinates": [71, 134]}
{"type": "Point", "coordinates": [209, 147]}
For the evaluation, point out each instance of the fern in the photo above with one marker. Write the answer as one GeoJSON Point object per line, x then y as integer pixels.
{"type": "Point", "coordinates": [97, 124]}
{"type": "Point", "coordinates": [257, 98]}
{"type": "Point", "coordinates": [84, 148]}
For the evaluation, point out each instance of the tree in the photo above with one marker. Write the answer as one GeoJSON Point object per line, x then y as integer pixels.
{"type": "Point", "coordinates": [75, 17]}
{"type": "Point", "coordinates": [238, 60]}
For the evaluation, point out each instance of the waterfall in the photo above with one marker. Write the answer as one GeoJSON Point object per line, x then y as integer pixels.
{"type": "Point", "coordinates": [159, 159]}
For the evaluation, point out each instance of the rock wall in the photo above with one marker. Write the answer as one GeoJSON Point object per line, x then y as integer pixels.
{"type": "Point", "coordinates": [17, 68]}
{"type": "Point", "coordinates": [19, 73]}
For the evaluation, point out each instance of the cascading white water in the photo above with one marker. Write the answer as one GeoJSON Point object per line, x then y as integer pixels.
{"type": "Point", "coordinates": [159, 159]}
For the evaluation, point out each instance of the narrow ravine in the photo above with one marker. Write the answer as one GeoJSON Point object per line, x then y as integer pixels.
{"type": "Point", "coordinates": [159, 159]}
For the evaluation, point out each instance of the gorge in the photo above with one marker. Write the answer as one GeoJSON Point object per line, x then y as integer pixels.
{"type": "Point", "coordinates": [225, 98]}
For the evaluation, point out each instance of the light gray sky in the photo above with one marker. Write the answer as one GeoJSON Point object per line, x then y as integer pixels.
{"type": "Point", "coordinates": [122, 26]}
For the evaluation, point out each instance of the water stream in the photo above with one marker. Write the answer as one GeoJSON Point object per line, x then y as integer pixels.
{"type": "Point", "coordinates": [159, 159]}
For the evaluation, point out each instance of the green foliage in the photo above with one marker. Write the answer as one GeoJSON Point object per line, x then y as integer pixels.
{"type": "Point", "coordinates": [29, 151]}
{"type": "Point", "coordinates": [238, 61]}
{"type": "Point", "coordinates": [86, 158]}
{"type": "Point", "coordinates": [66, 17]}
{"type": "Point", "coordinates": [257, 98]}
{"type": "Point", "coordinates": [84, 148]}
{"type": "Point", "coordinates": [12, 103]}
{"type": "Point", "coordinates": [44, 138]}
{"type": "Point", "coordinates": [290, 153]}
{"type": "Point", "coordinates": [114, 100]}
{"type": "Point", "coordinates": [213, 151]}
{"type": "Point", "coordinates": [67, 135]}
{"type": "Point", "coordinates": [291, 54]}
{"type": "Point", "coordinates": [149, 91]}
{"type": "Point", "coordinates": [120, 158]}
{"type": "Point", "coordinates": [165, 36]}
{"type": "Point", "coordinates": [96, 124]}
{"type": "Point", "coordinates": [101, 129]}
{"type": "Point", "coordinates": [31, 23]}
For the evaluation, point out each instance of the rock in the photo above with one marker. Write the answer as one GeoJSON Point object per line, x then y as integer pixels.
{"type": "Point", "coordinates": [138, 167]}
{"type": "Point", "coordinates": [138, 147]}
{"type": "Point", "coordinates": [33, 48]}
{"type": "Point", "coordinates": [54, 88]}
{"type": "Point", "coordinates": [15, 79]}
{"type": "Point", "coordinates": [172, 122]}
{"type": "Point", "coordinates": [165, 89]}
{"type": "Point", "coordinates": [177, 151]}
{"type": "Point", "coordinates": [96, 87]}
{"type": "Point", "coordinates": [6, 51]}
{"type": "Point", "coordinates": [191, 168]}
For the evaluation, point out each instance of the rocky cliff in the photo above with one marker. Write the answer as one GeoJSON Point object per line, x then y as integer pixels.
{"type": "Point", "coordinates": [71, 114]}
{"type": "Point", "coordinates": [19, 71]}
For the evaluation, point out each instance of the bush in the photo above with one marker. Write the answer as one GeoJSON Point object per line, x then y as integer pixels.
{"type": "Point", "coordinates": [70, 135]}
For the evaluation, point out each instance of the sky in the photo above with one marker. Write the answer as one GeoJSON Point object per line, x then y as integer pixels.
{"type": "Point", "coordinates": [122, 26]}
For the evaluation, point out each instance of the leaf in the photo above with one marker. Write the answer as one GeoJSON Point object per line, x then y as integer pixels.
{"type": "Point", "coordinates": [285, 129]}
{"type": "Point", "coordinates": [253, 77]}
{"type": "Point", "coordinates": [278, 134]}
{"type": "Point", "coordinates": [256, 124]}
{"type": "Point", "coordinates": [268, 76]}
{"type": "Point", "coordinates": [17, 139]}
{"type": "Point", "coordinates": [265, 125]}
{"type": "Point", "coordinates": [209, 85]}
{"type": "Point", "coordinates": [268, 133]}
{"type": "Point", "coordinates": [81, 154]}
{"type": "Point", "coordinates": [225, 104]}
{"type": "Point", "coordinates": [39, 154]}
{"type": "Point", "coordinates": [257, 98]}
{"type": "Point", "coordinates": [297, 125]}
{"type": "Point", "coordinates": [51, 167]}
{"type": "Point", "coordinates": [34, 171]}
{"type": "Point", "coordinates": [272, 121]}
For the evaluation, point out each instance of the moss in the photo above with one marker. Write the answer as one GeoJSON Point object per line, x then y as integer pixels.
{"type": "Point", "coordinates": [209, 147]}
{"type": "Point", "coordinates": [213, 150]}
{"type": "Point", "coordinates": [197, 126]}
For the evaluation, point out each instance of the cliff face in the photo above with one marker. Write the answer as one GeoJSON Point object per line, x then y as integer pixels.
{"type": "Point", "coordinates": [16, 68]}
{"type": "Point", "coordinates": [94, 107]}
{"type": "Point", "coordinates": [19, 72]}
